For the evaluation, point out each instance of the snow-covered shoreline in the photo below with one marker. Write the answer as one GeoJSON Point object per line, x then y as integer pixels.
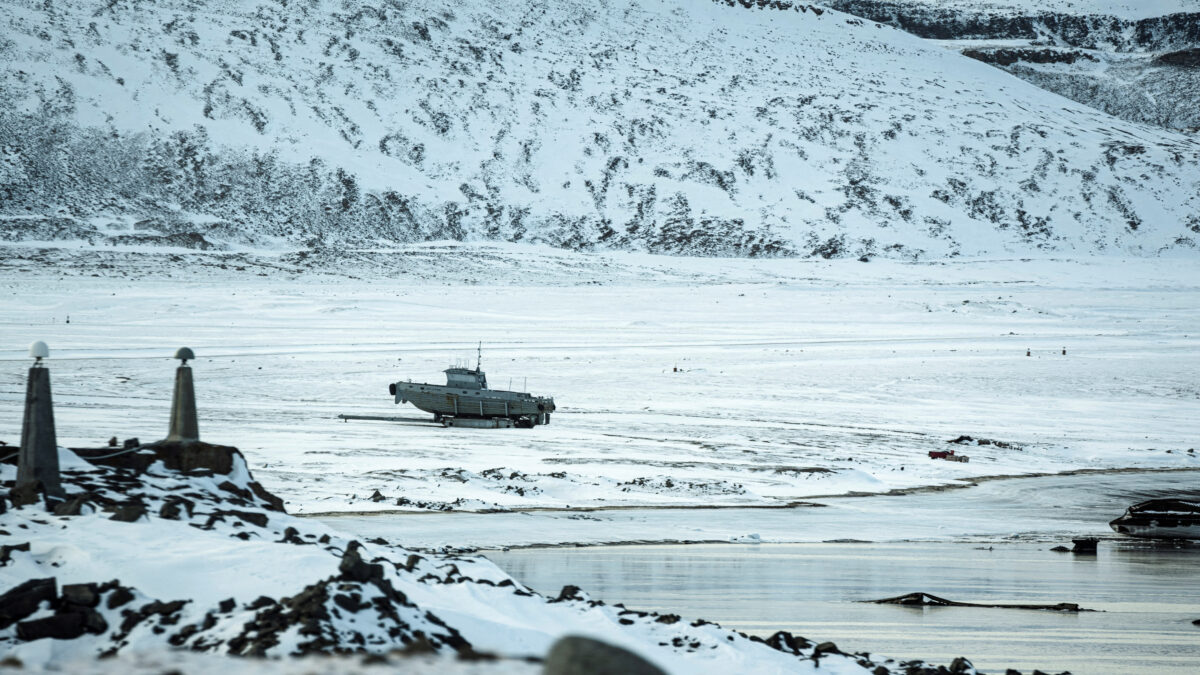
{"type": "Point", "coordinates": [680, 382]}
{"type": "Point", "coordinates": [152, 558]}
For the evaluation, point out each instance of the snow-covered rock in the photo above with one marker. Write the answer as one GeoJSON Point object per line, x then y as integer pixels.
{"type": "Point", "coordinates": [212, 564]}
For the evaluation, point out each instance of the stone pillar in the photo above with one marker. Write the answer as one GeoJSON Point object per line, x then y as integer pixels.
{"type": "Point", "coordinates": [183, 405]}
{"type": "Point", "coordinates": [38, 458]}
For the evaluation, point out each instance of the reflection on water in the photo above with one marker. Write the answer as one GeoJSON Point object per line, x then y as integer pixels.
{"type": "Point", "coordinates": [1148, 596]}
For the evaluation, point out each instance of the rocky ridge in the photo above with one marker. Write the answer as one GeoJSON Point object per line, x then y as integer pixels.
{"type": "Point", "coordinates": [1138, 68]}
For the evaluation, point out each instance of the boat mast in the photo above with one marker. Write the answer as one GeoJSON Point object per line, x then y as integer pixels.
{"type": "Point", "coordinates": [479, 356]}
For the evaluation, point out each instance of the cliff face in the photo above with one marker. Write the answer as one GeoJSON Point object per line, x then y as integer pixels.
{"type": "Point", "coordinates": [725, 128]}
{"type": "Point", "coordinates": [1135, 66]}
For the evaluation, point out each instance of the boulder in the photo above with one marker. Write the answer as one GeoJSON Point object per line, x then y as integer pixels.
{"type": "Point", "coordinates": [73, 505]}
{"type": "Point", "coordinates": [81, 595]}
{"type": "Point", "coordinates": [128, 512]}
{"type": "Point", "coordinates": [825, 648]}
{"type": "Point", "coordinates": [171, 510]}
{"type": "Point", "coordinates": [576, 655]}
{"type": "Point", "coordinates": [65, 626]}
{"type": "Point", "coordinates": [25, 599]}
{"type": "Point", "coordinates": [7, 549]}
{"type": "Point", "coordinates": [94, 623]}
{"type": "Point", "coordinates": [26, 493]}
{"type": "Point", "coordinates": [354, 568]}
{"type": "Point", "coordinates": [120, 596]}
{"type": "Point", "coordinates": [961, 666]}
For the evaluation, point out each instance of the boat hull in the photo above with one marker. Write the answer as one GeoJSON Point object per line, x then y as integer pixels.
{"type": "Point", "coordinates": [443, 401]}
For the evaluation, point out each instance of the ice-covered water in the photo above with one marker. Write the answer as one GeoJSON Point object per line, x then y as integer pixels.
{"type": "Point", "coordinates": [1146, 597]}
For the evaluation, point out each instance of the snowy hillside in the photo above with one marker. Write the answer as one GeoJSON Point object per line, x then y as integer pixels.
{"type": "Point", "coordinates": [668, 126]}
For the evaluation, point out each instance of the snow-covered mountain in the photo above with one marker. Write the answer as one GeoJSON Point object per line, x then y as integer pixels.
{"type": "Point", "coordinates": [675, 126]}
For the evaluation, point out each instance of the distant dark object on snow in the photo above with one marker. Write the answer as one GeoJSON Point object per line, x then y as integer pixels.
{"type": "Point", "coordinates": [969, 440]}
{"type": "Point", "coordinates": [1085, 545]}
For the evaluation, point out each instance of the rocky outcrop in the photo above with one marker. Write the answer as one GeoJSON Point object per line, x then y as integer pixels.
{"type": "Point", "coordinates": [1081, 29]}
{"type": "Point", "coordinates": [1003, 56]}
{"type": "Point", "coordinates": [1094, 59]}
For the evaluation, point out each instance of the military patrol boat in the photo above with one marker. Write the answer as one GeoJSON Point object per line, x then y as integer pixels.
{"type": "Point", "coordinates": [466, 396]}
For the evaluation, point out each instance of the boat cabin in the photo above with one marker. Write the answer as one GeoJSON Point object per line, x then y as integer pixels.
{"type": "Point", "coordinates": [465, 378]}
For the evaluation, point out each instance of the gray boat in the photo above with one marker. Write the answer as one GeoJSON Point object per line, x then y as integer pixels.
{"type": "Point", "coordinates": [466, 396]}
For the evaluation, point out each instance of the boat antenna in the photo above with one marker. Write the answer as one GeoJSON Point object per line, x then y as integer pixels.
{"type": "Point", "coordinates": [479, 356]}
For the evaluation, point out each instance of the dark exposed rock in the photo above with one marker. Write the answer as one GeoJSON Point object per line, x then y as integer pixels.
{"type": "Point", "coordinates": [273, 503]}
{"type": "Point", "coordinates": [354, 568]}
{"type": "Point", "coordinates": [94, 623]}
{"type": "Point", "coordinates": [568, 592]}
{"type": "Point", "coordinates": [1007, 56]}
{"type": "Point", "coordinates": [292, 536]}
{"type": "Point", "coordinates": [825, 648]}
{"type": "Point", "coordinates": [961, 665]}
{"type": "Point", "coordinates": [162, 608]}
{"type": "Point", "coordinates": [260, 602]}
{"type": "Point", "coordinates": [73, 506]}
{"type": "Point", "coordinates": [1184, 58]}
{"type": "Point", "coordinates": [576, 655]}
{"type": "Point", "coordinates": [7, 549]}
{"type": "Point", "coordinates": [120, 596]}
{"type": "Point", "coordinates": [20, 602]}
{"type": "Point", "coordinates": [377, 497]}
{"type": "Point", "coordinates": [26, 494]}
{"type": "Point", "coordinates": [81, 595]}
{"type": "Point", "coordinates": [259, 519]}
{"type": "Point", "coordinates": [171, 510]}
{"type": "Point", "coordinates": [128, 512]}
{"type": "Point", "coordinates": [350, 602]}
{"type": "Point", "coordinates": [65, 626]}
{"type": "Point", "coordinates": [786, 642]}
{"type": "Point", "coordinates": [1076, 30]}
{"type": "Point", "coordinates": [412, 561]}
{"type": "Point", "coordinates": [226, 606]}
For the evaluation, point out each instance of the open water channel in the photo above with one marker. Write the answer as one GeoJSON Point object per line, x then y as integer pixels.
{"type": "Point", "coordinates": [985, 544]}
